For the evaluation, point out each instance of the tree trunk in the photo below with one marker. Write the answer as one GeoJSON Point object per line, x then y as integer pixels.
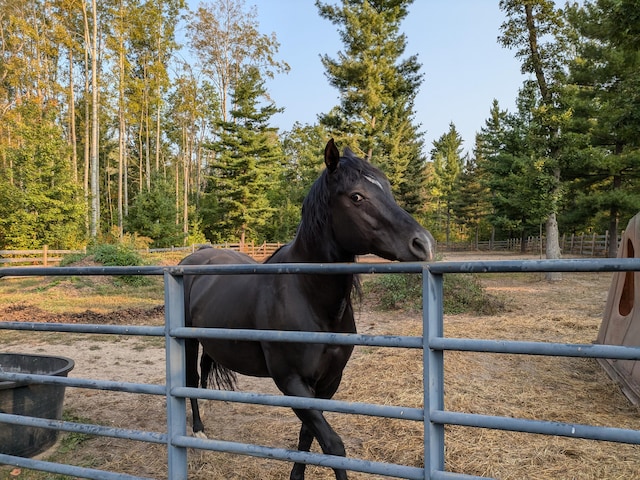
{"type": "Point", "coordinates": [553, 237]}
{"type": "Point", "coordinates": [614, 212]}
{"type": "Point", "coordinates": [553, 246]}
{"type": "Point", "coordinates": [91, 166]}
{"type": "Point", "coordinates": [121, 140]}
{"type": "Point", "coordinates": [185, 187]}
{"type": "Point", "coordinates": [95, 166]}
{"type": "Point", "coordinates": [72, 121]}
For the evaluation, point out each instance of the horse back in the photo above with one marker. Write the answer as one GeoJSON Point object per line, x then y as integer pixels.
{"type": "Point", "coordinates": [216, 256]}
{"type": "Point", "coordinates": [207, 256]}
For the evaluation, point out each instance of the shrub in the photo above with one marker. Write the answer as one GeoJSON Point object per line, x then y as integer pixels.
{"type": "Point", "coordinates": [463, 293]}
{"type": "Point", "coordinates": [116, 255]}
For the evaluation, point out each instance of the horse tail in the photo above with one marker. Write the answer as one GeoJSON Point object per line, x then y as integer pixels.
{"type": "Point", "coordinates": [211, 372]}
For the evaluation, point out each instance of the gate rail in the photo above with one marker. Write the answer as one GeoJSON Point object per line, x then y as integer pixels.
{"type": "Point", "coordinates": [433, 342]}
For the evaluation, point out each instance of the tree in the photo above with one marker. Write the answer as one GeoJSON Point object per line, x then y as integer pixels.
{"type": "Point", "coordinates": [246, 167]}
{"type": "Point", "coordinates": [472, 204]}
{"type": "Point", "coordinates": [448, 164]}
{"type": "Point", "coordinates": [303, 150]}
{"type": "Point", "coordinates": [529, 23]}
{"type": "Point", "coordinates": [91, 48]}
{"type": "Point", "coordinates": [606, 100]}
{"type": "Point", "coordinates": [377, 90]}
{"type": "Point", "coordinates": [153, 214]}
{"type": "Point", "coordinates": [41, 204]}
{"type": "Point", "coordinates": [517, 181]}
{"type": "Point", "coordinates": [226, 38]}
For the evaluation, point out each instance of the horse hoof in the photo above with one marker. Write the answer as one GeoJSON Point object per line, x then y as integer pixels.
{"type": "Point", "coordinates": [200, 435]}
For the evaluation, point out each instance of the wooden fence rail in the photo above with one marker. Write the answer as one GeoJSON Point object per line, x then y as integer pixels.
{"type": "Point", "coordinates": [47, 257]}
{"type": "Point", "coordinates": [44, 257]}
{"type": "Point", "coordinates": [588, 245]}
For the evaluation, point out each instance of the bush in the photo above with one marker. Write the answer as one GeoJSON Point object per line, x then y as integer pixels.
{"type": "Point", "coordinates": [116, 255]}
{"type": "Point", "coordinates": [463, 293]}
{"type": "Point", "coordinates": [119, 255]}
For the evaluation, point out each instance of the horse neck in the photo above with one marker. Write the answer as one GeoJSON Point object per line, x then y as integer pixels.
{"type": "Point", "coordinates": [333, 291]}
{"type": "Point", "coordinates": [317, 246]}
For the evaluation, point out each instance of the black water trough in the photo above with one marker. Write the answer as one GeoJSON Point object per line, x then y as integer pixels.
{"type": "Point", "coordinates": [34, 400]}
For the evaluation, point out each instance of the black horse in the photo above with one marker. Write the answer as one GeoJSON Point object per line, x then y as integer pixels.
{"type": "Point", "coordinates": [349, 211]}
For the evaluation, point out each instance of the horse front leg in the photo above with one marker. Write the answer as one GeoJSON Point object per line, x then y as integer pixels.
{"type": "Point", "coordinates": [304, 445]}
{"type": "Point", "coordinates": [329, 440]}
{"type": "Point", "coordinates": [313, 425]}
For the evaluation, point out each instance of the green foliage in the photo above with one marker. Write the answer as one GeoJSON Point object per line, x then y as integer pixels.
{"type": "Point", "coordinates": [303, 148]}
{"type": "Point", "coordinates": [512, 170]}
{"type": "Point", "coordinates": [247, 166]}
{"type": "Point", "coordinates": [39, 202]}
{"type": "Point", "coordinates": [447, 166]}
{"type": "Point", "coordinates": [120, 255]}
{"type": "Point", "coordinates": [397, 291]}
{"type": "Point", "coordinates": [153, 214]}
{"type": "Point", "coordinates": [463, 293]}
{"type": "Point", "coordinates": [175, 149]}
{"type": "Point", "coordinates": [117, 255]}
{"type": "Point", "coordinates": [377, 89]}
{"type": "Point", "coordinates": [603, 158]}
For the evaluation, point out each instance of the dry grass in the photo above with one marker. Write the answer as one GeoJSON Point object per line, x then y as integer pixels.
{"type": "Point", "coordinates": [544, 388]}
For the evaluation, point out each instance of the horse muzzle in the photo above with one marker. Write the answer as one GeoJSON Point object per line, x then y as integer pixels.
{"type": "Point", "coordinates": [422, 246]}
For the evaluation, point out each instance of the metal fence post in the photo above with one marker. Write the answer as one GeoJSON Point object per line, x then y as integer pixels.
{"type": "Point", "coordinates": [433, 371]}
{"type": "Point", "coordinates": [175, 352]}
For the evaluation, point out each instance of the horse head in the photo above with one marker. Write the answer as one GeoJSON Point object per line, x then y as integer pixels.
{"type": "Point", "coordinates": [365, 217]}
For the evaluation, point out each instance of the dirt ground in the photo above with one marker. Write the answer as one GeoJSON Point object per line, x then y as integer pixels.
{"type": "Point", "coordinates": [556, 389]}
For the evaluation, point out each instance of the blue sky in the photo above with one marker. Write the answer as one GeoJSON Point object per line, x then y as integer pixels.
{"type": "Point", "coordinates": [456, 42]}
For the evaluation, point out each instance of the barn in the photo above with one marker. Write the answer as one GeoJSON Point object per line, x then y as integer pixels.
{"type": "Point", "coordinates": [621, 320]}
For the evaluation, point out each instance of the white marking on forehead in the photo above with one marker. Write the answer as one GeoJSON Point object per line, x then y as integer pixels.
{"type": "Point", "coordinates": [374, 181]}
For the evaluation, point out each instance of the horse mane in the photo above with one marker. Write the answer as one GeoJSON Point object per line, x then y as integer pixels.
{"type": "Point", "coordinates": [315, 207]}
{"type": "Point", "coordinates": [315, 210]}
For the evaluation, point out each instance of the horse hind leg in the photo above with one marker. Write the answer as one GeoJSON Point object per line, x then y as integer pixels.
{"type": "Point", "coordinates": [192, 379]}
{"type": "Point", "coordinates": [206, 363]}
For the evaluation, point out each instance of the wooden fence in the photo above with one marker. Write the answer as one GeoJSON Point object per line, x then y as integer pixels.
{"type": "Point", "coordinates": [47, 257]}
{"type": "Point", "coordinates": [44, 257]}
{"type": "Point", "coordinates": [588, 245]}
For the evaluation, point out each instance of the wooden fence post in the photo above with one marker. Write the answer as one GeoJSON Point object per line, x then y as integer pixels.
{"type": "Point", "coordinates": [572, 240]}
{"type": "Point", "coordinates": [45, 248]}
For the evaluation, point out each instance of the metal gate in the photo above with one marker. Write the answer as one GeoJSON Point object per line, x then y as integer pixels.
{"type": "Point", "coordinates": [433, 342]}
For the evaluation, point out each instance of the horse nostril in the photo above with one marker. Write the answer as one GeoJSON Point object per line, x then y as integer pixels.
{"type": "Point", "coordinates": [422, 247]}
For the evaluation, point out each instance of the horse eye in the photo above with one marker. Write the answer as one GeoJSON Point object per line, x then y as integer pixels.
{"type": "Point", "coordinates": [356, 197]}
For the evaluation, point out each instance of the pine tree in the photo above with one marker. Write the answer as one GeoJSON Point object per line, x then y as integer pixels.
{"type": "Point", "coordinates": [246, 167]}
{"type": "Point", "coordinates": [153, 214]}
{"type": "Point", "coordinates": [472, 204]}
{"type": "Point", "coordinates": [377, 89]}
{"type": "Point", "coordinates": [518, 184]}
{"type": "Point", "coordinates": [606, 151]}
{"type": "Point", "coordinates": [448, 164]}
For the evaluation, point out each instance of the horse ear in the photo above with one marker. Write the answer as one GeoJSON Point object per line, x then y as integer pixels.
{"type": "Point", "coordinates": [331, 155]}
